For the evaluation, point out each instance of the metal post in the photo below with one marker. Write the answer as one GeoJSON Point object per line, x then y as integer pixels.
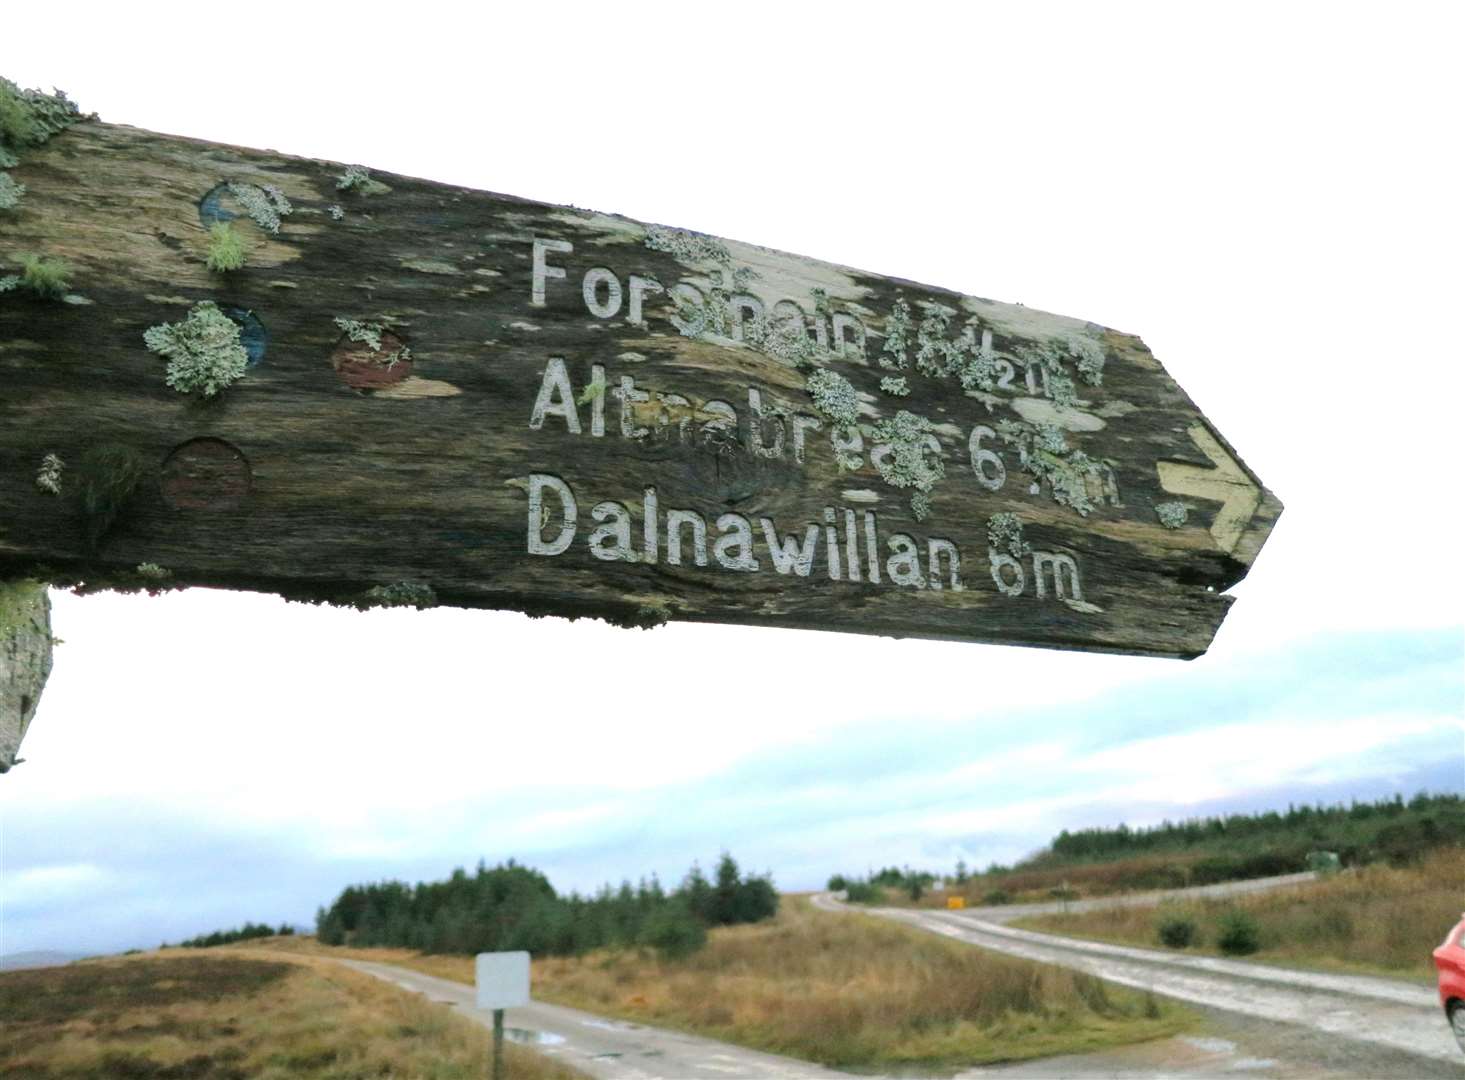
{"type": "Point", "coordinates": [498, 1044]}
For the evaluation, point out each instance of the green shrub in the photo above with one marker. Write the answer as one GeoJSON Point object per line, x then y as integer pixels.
{"type": "Point", "coordinates": [1238, 933]}
{"type": "Point", "coordinates": [863, 892]}
{"type": "Point", "coordinates": [996, 897]}
{"type": "Point", "coordinates": [838, 883]}
{"type": "Point", "coordinates": [1176, 930]}
{"type": "Point", "coordinates": [674, 932]}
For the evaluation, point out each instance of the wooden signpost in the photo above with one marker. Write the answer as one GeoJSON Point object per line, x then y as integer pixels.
{"type": "Point", "coordinates": [414, 393]}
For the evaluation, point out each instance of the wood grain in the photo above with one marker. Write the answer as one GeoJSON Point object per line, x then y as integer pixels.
{"type": "Point", "coordinates": [318, 477]}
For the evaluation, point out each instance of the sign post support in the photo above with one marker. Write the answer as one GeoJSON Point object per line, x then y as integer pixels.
{"type": "Point", "coordinates": [502, 982]}
{"type": "Point", "coordinates": [498, 1044]}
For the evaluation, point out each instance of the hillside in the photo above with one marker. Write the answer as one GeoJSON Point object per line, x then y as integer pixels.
{"type": "Point", "coordinates": [1198, 851]}
{"type": "Point", "coordinates": [213, 1016]}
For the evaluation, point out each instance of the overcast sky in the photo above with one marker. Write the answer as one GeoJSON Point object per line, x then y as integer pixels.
{"type": "Point", "coordinates": [1267, 194]}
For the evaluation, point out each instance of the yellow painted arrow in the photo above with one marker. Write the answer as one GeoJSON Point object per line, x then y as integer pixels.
{"type": "Point", "coordinates": [1227, 484]}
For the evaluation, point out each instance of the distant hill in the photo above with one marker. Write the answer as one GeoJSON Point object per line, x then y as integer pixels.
{"type": "Point", "coordinates": [37, 958]}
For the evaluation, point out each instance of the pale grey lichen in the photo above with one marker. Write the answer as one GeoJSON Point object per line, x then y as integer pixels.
{"type": "Point", "coordinates": [980, 370]}
{"type": "Point", "coordinates": [834, 396]}
{"type": "Point", "coordinates": [920, 505]}
{"type": "Point", "coordinates": [265, 204]}
{"type": "Point", "coordinates": [1049, 356]}
{"type": "Point", "coordinates": [1090, 358]}
{"type": "Point", "coordinates": [785, 339]}
{"type": "Point", "coordinates": [203, 351]}
{"type": "Point", "coordinates": [10, 192]}
{"type": "Point", "coordinates": [1046, 455]}
{"type": "Point", "coordinates": [337, 212]}
{"type": "Point", "coordinates": [9, 282]}
{"type": "Point", "coordinates": [650, 616]}
{"type": "Point", "coordinates": [370, 335]}
{"type": "Point", "coordinates": [936, 354]}
{"type": "Point", "coordinates": [401, 594]}
{"type": "Point", "coordinates": [153, 572]}
{"type": "Point", "coordinates": [897, 336]}
{"type": "Point", "coordinates": [1005, 531]}
{"type": "Point", "coordinates": [1172, 514]}
{"type": "Point", "coordinates": [910, 462]}
{"type": "Point", "coordinates": [687, 245]}
{"type": "Point", "coordinates": [354, 178]}
{"type": "Point", "coordinates": [895, 384]}
{"type": "Point", "coordinates": [48, 476]}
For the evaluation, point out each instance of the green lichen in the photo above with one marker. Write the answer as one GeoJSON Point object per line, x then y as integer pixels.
{"type": "Point", "coordinates": [895, 384]}
{"type": "Point", "coordinates": [1044, 452]}
{"type": "Point", "coordinates": [910, 461]}
{"type": "Point", "coordinates": [153, 572]}
{"type": "Point", "coordinates": [370, 335]}
{"type": "Point", "coordinates": [687, 245]}
{"type": "Point", "coordinates": [897, 336]}
{"type": "Point", "coordinates": [46, 278]}
{"type": "Point", "coordinates": [227, 250]}
{"type": "Point", "coordinates": [48, 476]}
{"type": "Point", "coordinates": [203, 351]}
{"type": "Point", "coordinates": [264, 203]}
{"type": "Point", "coordinates": [1172, 514]}
{"type": "Point", "coordinates": [9, 283]}
{"type": "Point", "coordinates": [10, 192]}
{"type": "Point", "coordinates": [28, 118]}
{"type": "Point", "coordinates": [834, 396]}
{"type": "Point", "coordinates": [1004, 531]}
{"type": "Point", "coordinates": [107, 477]}
{"type": "Point", "coordinates": [920, 505]}
{"type": "Point", "coordinates": [337, 212]}
{"type": "Point", "coordinates": [593, 391]}
{"type": "Point", "coordinates": [401, 594]}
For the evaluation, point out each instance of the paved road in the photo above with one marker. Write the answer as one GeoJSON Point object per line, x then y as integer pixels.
{"type": "Point", "coordinates": [1389, 1028]}
{"type": "Point", "coordinates": [611, 1049]}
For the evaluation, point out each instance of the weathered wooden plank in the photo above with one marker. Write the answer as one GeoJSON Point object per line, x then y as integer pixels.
{"type": "Point", "coordinates": [556, 354]}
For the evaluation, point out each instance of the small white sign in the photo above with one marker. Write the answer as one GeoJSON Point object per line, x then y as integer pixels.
{"type": "Point", "coordinates": [502, 979]}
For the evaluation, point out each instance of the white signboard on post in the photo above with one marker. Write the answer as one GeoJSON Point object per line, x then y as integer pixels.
{"type": "Point", "coordinates": [502, 979]}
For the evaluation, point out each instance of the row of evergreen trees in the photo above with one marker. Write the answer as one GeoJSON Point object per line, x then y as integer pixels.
{"type": "Point", "coordinates": [1386, 828]}
{"type": "Point", "coordinates": [227, 937]}
{"type": "Point", "coordinates": [509, 906]}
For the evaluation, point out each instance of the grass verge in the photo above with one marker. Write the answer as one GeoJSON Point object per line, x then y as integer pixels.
{"type": "Point", "coordinates": [845, 990]}
{"type": "Point", "coordinates": [227, 1016]}
{"type": "Point", "coordinates": [1378, 920]}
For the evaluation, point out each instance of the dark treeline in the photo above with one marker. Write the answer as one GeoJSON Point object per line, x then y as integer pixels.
{"type": "Point", "coordinates": [1387, 829]}
{"type": "Point", "coordinates": [509, 907]}
{"type": "Point", "coordinates": [245, 933]}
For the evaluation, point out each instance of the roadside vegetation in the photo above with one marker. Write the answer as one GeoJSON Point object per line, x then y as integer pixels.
{"type": "Point", "coordinates": [846, 990]}
{"type": "Point", "coordinates": [1377, 919]}
{"type": "Point", "coordinates": [511, 907]}
{"type": "Point", "coordinates": [1198, 851]}
{"type": "Point", "coordinates": [216, 1016]}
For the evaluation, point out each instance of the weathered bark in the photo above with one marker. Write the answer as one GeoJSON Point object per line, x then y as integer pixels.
{"type": "Point", "coordinates": [25, 661]}
{"type": "Point", "coordinates": [331, 468]}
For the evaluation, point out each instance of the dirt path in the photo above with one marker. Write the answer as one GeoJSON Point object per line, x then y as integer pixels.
{"type": "Point", "coordinates": [1337, 1025]}
{"type": "Point", "coordinates": [611, 1049]}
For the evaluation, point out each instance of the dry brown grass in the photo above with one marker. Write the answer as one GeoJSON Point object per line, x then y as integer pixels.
{"type": "Point", "coordinates": [843, 990]}
{"type": "Point", "coordinates": [225, 1015]}
{"type": "Point", "coordinates": [1376, 920]}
